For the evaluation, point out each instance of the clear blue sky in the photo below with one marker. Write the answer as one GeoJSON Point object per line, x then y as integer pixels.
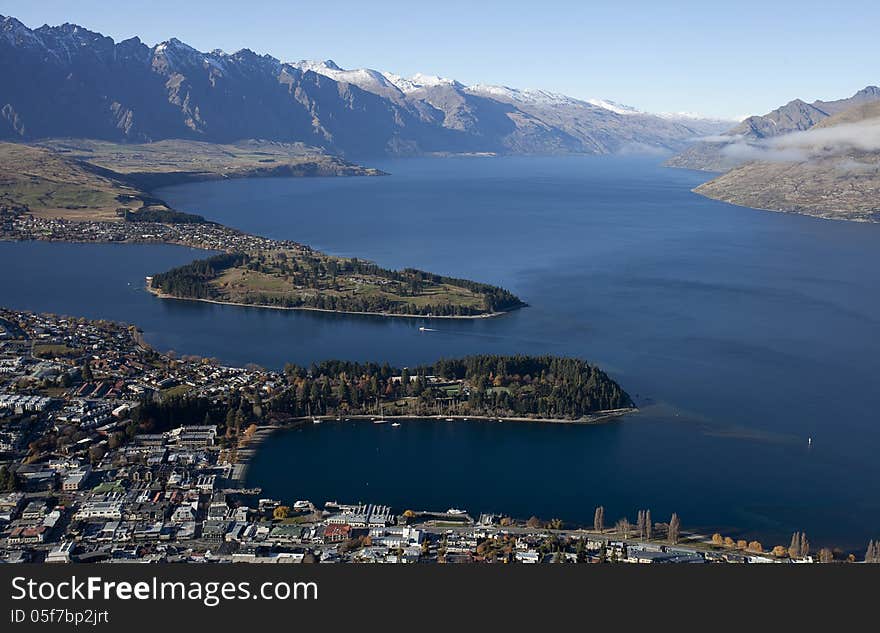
{"type": "Point", "coordinates": [723, 59]}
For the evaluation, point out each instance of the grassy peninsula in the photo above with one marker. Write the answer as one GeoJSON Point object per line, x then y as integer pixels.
{"type": "Point", "coordinates": [87, 180]}
{"type": "Point", "coordinates": [299, 278]}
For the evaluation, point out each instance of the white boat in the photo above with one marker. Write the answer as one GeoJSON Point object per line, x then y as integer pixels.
{"type": "Point", "coordinates": [456, 511]}
{"type": "Point", "coordinates": [395, 424]}
{"type": "Point", "coordinates": [449, 419]}
{"type": "Point", "coordinates": [381, 419]}
{"type": "Point", "coordinates": [316, 420]}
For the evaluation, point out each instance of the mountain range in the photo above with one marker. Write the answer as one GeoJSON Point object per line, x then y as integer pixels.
{"type": "Point", "coordinates": [820, 159]}
{"type": "Point", "coordinates": [725, 151]}
{"type": "Point", "coordinates": [68, 81]}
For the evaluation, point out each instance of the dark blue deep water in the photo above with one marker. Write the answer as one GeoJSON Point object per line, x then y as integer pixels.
{"type": "Point", "coordinates": [740, 332]}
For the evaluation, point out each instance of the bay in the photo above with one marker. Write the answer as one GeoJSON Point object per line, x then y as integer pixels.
{"type": "Point", "coordinates": [741, 333]}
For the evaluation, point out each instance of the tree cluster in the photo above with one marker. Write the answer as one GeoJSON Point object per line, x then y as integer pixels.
{"type": "Point", "coordinates": [545, 386]}
{"type": "Point", "coordinates": [8, 480]}
{"type": "Point", "coordinates": [800, 546]}
{"type": "Point", "coordinates": [193, 280]}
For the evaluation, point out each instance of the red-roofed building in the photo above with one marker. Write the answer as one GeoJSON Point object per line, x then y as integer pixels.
{"type": "Point", "coordinates": [27, 535]}
{"type": "Point", "coordinates": [335, 533]}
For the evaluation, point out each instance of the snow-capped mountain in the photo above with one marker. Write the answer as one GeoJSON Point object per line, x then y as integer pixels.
{"type": "Point", "coordinates": [69, 81]}
{"type": "Point", "coordinates": [420, 81]}
{"type": "Point", "coordinates": [369, 80]}
{"type": "Point", "coordinates": [532, 97]}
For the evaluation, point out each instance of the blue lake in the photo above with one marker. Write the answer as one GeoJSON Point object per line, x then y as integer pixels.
{"type": "Point", "coordinates": [741, 333]}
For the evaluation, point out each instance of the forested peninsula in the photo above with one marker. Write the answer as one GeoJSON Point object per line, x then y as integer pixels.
{"type": "Point", "coordinates": [541, 387]}
{"type": "Point", "coordinates": [527, 388]}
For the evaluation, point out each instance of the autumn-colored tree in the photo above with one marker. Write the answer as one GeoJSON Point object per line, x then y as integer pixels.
{"type": "Point", "coordinates": [755, 546]}
{"type": "Point", "coordinates": [826, 555]}
{"type": "Point", "coordinates": [649, 526]}
{"type": "Point", "coordinates": [599, 519]}
{"type": "Point", "coordinates": [534, 522]}
{"type": "Point", "coordinates": [674, 533]}
{"type": "Point", "coordinates": [281, 512]}
{"type": "Point", "coordinates": [742, 544]}
{"type": "Point", "coordinates": [717, 540]}
{"type": "Point", "coordinates": [623, 527]}
{"type": "Point", "coordinates": [872, 554]}
{"type": "Point", "coordinates": [96, 453]}
{"type": "Point", "coordinates": [794, 549]}
{"type": "Point", "coordinates": [779, 551]}
{"type": "Point", "coordinates": [800, 546]}
{"type": "Point", "coordinates": [729, 542]}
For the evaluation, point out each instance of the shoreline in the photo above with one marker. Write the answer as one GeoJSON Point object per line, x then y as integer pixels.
{"type": "Point", "coordinates": [599, 417]}
{"type": "Point", "coordinates": [801, 212]}
{"type": "Point", "coordinates": [163, 295]}
{"type": "Point", "coordinates": [248, 450]}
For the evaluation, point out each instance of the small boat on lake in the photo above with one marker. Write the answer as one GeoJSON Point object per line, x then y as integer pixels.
{"type": "Point", "coordinates": [381, 419]}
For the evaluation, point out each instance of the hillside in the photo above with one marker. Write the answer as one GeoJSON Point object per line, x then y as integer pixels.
{"type": "Point", "coordinates": [49, 185]}
{"type": "Point", "coordinates": [836, 174]}
{"type": "Point", "coordinates": [67, 81]}
{"type": "Point", "coordinates": [77, 179]}
{"type": "Point", "coordinates": [729, 149]}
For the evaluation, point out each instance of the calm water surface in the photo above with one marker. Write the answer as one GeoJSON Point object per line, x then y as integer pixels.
{"type": "Point", "coordinates": [740, 332]}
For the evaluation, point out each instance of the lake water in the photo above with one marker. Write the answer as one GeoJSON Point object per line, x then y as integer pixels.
{"type": "Point", "coordinates": [741, 333]}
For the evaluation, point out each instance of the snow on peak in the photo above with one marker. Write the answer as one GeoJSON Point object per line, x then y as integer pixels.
{"type": "Point", "coordinates": [530, 96]}
{"type": "Point", "coordinates": [366, 78]}
{"type": "Point", "coordinates": [613, 106]}
{"type": "Point", "coordinates": [175, 45]}
{"type": "Point", "coordinates": [419, 81]}
{"type": "Point", "coordinates": [320, 67]}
